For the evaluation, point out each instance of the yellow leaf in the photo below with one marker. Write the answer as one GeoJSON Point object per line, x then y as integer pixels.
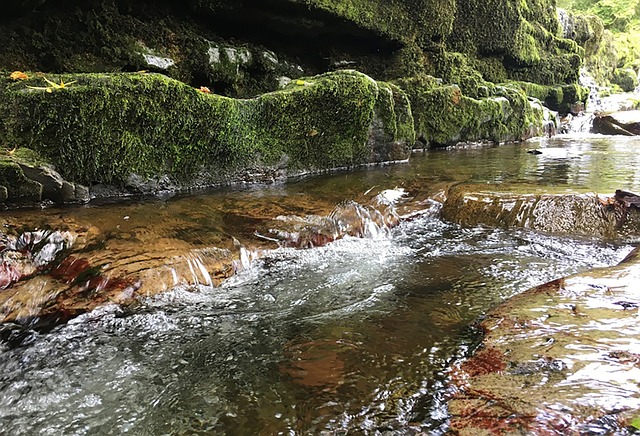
{"type": "Point", "coordinates": [50, 82]}
{"type": "Point", "coordinates": [300, 82]}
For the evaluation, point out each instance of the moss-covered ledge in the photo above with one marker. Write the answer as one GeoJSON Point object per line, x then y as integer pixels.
{"type": "Point", "coordinates": [112, 128]}
{"type": "Point", "coordinates": [444, 115]}
{"type": "Point", "coordinates": [560, 98]}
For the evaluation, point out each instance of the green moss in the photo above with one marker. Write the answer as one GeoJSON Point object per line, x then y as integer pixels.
{"type": "Point", "coordinates": [550, 70]}
{"type": "Point", "coordinates": [558, 98]}
{"type": "Point", "coordinates": [107, 126]}
{"type": "Point", "coordinates": [19, 188]}
{"type": "Point", "coordinates": [443, 115]}
{"type": "Point", "coordinates": [394, 120]}
{"type": "Point", "coordinates": [401, 20]}
{"type": "Point", "coordinates": [617, 15]}
{"type": "Point", "coordinates": [610, 51]}
{"type": "Point", "coordinates": [492, 69]}
{"type": "Point", "coordinates": [454, 68]}
{"type": "Point", "coordinates": [626, 79]}
{"type": "Point", "coordinates": [521, 38]}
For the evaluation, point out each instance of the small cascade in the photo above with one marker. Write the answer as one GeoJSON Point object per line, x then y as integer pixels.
{"type": "Point", "coordinates": [594, 102]}
{"type": "Point", "coordinates": [46, 279]}
{"type": "Point", "coordinates": [348, 218]}
{"type": "Point", "coordinates": [597, 108]}
{"type": "Point", "coordinates": [577, 124]}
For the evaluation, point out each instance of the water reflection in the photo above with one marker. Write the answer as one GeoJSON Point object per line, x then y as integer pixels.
{"type": "Point", "coordinates": [353, 336]}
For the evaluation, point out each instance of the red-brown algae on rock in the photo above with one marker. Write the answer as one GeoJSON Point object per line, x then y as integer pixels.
{"type": "Point", "coordinates": [557, 359]}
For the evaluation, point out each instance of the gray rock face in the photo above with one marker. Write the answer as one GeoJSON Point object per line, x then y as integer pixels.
{"type": "Point", "coordinates": [30, 183]}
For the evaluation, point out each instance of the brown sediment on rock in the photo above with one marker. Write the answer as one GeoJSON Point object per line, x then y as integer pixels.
{"type": "Point", "coordinates": [591, 215]}
{"type": "Point", "coordinates": [554, 359]}
{"type": "Point", "coordinates": [124, 254]}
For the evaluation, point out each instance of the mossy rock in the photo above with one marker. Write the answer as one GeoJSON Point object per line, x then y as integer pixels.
{"type": "Point", "coordinates": [103, 128]}
{"type": "Point", "coordinates": [19, 189]}
{"type": "Point", "coordinates": [608, 32]}
{"type": "Point", "coordinates": [444, 116]}
{"type": "Point", "coordinates": [398, 19]}
{"type": "Point", "coordinates": [626, 79]}
{"type": "Point", "coordinates": [524, 37]}
{"type": "Point", "coordinates": [559, 98]}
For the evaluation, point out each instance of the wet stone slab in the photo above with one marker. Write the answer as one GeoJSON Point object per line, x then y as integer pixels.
{"type": "Point", "coordinates": [561, 358]}
{"type": "Point", "coordinates": [591, 215]}
{"type": "Point", "coordinates": [85, 258]}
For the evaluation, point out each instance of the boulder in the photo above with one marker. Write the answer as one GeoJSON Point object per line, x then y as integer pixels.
{"type": "Point", "coordinates": [20, 189]}
{"type": "Point", "coordinates": [625, 123]}
{"type": "Point", "coordinates": [560, 358]}
{"type": "Point", "coordinates": [569, 214]}
{"type": "Point", "coordinates": [32, 180]}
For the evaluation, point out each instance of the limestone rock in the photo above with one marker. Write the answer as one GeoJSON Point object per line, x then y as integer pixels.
{"type": "Point", "coordinates": [98, 131]}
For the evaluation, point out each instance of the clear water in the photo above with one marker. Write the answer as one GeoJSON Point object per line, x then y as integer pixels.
{"type": "Point", "coordinates": [352, 337]}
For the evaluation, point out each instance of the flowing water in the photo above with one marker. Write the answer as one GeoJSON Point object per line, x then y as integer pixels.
{"type": "Point", "coordinates": [351, 337]}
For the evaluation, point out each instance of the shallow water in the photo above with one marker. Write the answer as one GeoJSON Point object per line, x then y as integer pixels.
{"type": "Point", "coordinates": [351, 337]}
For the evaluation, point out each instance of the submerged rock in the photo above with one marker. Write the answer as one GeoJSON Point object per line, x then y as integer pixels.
{"type": "Point", "coordinates": [48, 278]}
{"type": "Point", "coordinates": [570, 214]}
{"type": "Point", "coordinates": [560, 358]}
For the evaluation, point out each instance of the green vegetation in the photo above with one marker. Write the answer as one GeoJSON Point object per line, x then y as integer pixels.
{"type": "Point", "coordinates": [612, 54]}
{"type": "Point", "coordinates": [515, 40]}
{"type": "Point", "coordinates": [109, 126]}
{"type": "Point", "coordinates": [445, 116]}
{"type": "Point", "coordinates": [18, 187]}
{"type": "Point", "coordinates": [400, 20]}
{"type": "Point", "coordinates": [559, 98]}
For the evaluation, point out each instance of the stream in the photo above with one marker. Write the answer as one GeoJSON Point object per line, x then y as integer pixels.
{"type": "Point", "coordinates": [352, 337]}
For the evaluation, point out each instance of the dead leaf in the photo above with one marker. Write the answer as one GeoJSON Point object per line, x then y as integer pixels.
{"type": "Point", "coordinates": [18, 75]}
